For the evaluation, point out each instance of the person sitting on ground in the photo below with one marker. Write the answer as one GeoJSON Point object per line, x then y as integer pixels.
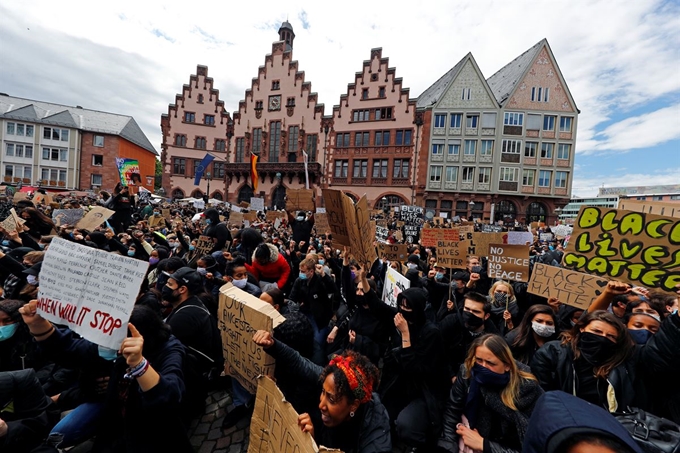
{"type": "Point", "coordinates": [269, 267]}
{"type": "Point", "coordinates": [537, 328]}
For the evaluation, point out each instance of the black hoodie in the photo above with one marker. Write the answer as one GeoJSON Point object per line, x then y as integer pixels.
{"type": "Point", "coordinates": [216, 230]}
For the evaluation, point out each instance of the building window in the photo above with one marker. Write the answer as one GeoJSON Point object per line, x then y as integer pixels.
{"type": "Point", "coordinates": [403, 137]}
{"type": "Point", "coordinates": [360, 115]}
{"type": "Point", "coordinates": [189, 117]}
{"type": "Point", "coordinates": [293, 137]}
{"type": "Point", "coordinates": [179, 165]}
{"type": "Point", "coordinates": [544, 177]}
{"type": "Point", "coordinates": [360, 169]}
{"type": "Point", "coordinates": [484, 176]}
{"type": "Point", "coordinates": [508, 174]}
{"type": "Point", "coordinates": [55, 154]}
{"type": "Point", "coordinates": [440, 120]}
{"type": "Point", "coordinates": [565, 123]}
{"type": "Point", "coordinates": [384, 113]}
{"type": "Point", "coordinates": [200, 143]}
{"type": "Point", "coordinates": [276, 84]}
{"type": "Point", "coordinates": [437, 149]}
{"type": "Point", "coordinates": [209, 120]}
{"type": "Point", "coordinates": [511, 146]}
{"type": "Point", "coordinates": [468, 174]}
{"type": "Point", "coordinates": [400, 168]}
{"type": "Point", "coordinates": [513, 119]}
{"type": "Point", "coordinates": [9, 150]}
{"type": "Point", "coordinates": [54, 133]}
{"type": "Point", "coordinates": [200, 99]}
{"type": "Point", "coordinates": [240, 142]}
{"type": "Point", "coordinates": [540, 94]}
{"type": "Point", "coordinates": [381, 92]}
{"type": "Point", "coordinates": [456, 119]}
{"type": "Point", "coordinates": [25, 151]}
{"type": "Point", "coordinates": [312, 140]}
{"type": "Point", "coordinates": [654, 198]}
{"type": "Point", "coordinates": [97, 160]}
{"type": "Point", "coordinates": [219, 169]}
{"type": "Point", "coordinates": [361, 139]}
{"type": "Point", "coordinates": [451, 174]}
{"type": "Point", "coordinates": [547, 150]}
{"type": "Point", "coordinates": [470, 147]}
{"type": "Point", "coordinates": [341, 168]}
{"type": "Point", "coordinates": [342, 140]}
{"type": "Point", "coordinates": [259, 105]}
{"type": "Point", "coordinates": [11, 129]}
{"type": "Point", "coordinates": [561, 179]}
{"type": "Point", "coordinates": [180, 140]}
{"type": "Point", "coordinates": [454, 149]}
{"type": "Point", "coordinates": [465, 95]}
{"type": "Point", "coordinates": [220, 145]}
{"type": "Point", "coordinates": [98, 140]}
{"type": "Point", "coordinates": [487, 148]}
{"type": "Point", "coordinates": [257, 140]}
{"type": "Point", "coordinates": [274, 141]}
{"type": "Point", "coordinates": [53, 174]}
{"type": "Point", "coordinates": [382, 138]}
{"type": "Point", "coordinates": [364, 93]}
{"type": "Point", "coordinates": [530, 149]}
{"type": "Point", "coordinates": [380, 168]}
{"type": "Point", "coordinates": [528, 177]}
{"type": "Point", "coordinates": [549, 123]}
{"type": "Point", "coordinates": [471, 121]}
{"type": "Point", "coordinates": [435, 173]}
{"type": "Point", "coordinates": [96, 180]}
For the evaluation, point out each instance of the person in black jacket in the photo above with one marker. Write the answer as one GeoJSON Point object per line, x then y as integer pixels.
{"type": "Point", "coordinates": [538, 326]}
{"type": "Point", "coordinates": [491, 401]}
{"type": "Point", "coordinates": [123, 203]}
{"type": "Point", "coordinates": [216, 230]}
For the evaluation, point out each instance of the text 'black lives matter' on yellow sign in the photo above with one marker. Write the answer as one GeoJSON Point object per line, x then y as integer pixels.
{"type": "Point", "coordinates": [569, 287]}
{"type": "Point", "coordinates": [638, 248]}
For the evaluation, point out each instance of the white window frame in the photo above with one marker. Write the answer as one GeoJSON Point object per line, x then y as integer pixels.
{"type": "Point", "coordinates": [554, 120]}
{"type": "Point", "coordinates": [561, 183]}
{"type": "Point", "coordinates": [547, 150]}
{"type": "Point", "coordinates": [511, 146]}
{"type": "Point", "coordinates": [439, 120]}
{"type": "Point", "coordinates": [466, 94]}
{"type": "Point", "coordinates": [101, 180]}
{"type": "Point", "coordinates": [458, 117]}
{"type": "Point", "coordinates": [470, 144]}
{"type": "Point", "coordinates": [451, 171]}
{"type": "Point", "coordinates": [534, 148]}
{"type": "Point", "coordinates": [560, 151]}
{"type": "Point", "coordinates": [470, 177]}
{"type": "Point", "coordinates": [95, 141]}
{"type": "Point", "coordinates": [453, 147]}
{"type": "Point", "coordinates": [469, 119]}
{"type": "Point", "coordinates": [95, 164]}
{"type": "Point", "coordinates": [528, 175]}
{"type": "Point", "coordinates": [486, 150]}
{"type": "Point", "coordinates": [508, 174]}
{"type": "Point", "coordinates": [563, 119]}
{"type": "Point", "coordinates": [541, 180]}
{"type": "Point", "coordinates": [513, 119]}
{"type": "Point", "coordinates": [436, 173]}
{"type": "Point", "coordinates": [484, 175]}
{"type": "Point", "coordinates": [437, 149]}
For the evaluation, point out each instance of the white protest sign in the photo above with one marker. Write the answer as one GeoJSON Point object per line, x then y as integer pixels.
{"type": "Point", "coordinates": [320, 210]}
{"type": "Point", "coordinates": [90, 290]}
{"type": "Point", "coordinates": [395, 283]}
{"type": "Point", "coordinates": [257, 203]}
{"type": "Point", "coordinates": [520, 237]}
{"type": "Point", "coordinates": [199, 204]}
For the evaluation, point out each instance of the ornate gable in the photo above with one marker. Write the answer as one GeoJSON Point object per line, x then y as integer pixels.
{"type": "Point", "coordinates": [469, 78]}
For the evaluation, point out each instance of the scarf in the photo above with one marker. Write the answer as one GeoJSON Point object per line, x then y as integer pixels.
{"type": "Point", "coordinates": [481, 377]}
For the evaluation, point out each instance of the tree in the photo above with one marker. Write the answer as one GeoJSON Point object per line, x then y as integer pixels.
{"type": "Point", "coordinates": [158, 180]}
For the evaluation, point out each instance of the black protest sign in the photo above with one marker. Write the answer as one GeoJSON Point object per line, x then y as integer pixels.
{"type": "Point", "coordinates": [411, 215]}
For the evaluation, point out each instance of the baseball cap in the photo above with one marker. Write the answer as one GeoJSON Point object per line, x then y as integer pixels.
{"type": "Point", "coordinates": [186, 276]}
{"type": "Point", "coordinates": [33, 270]}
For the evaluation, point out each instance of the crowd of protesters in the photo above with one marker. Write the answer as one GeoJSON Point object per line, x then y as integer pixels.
{"type": "Point", "coordinates": [463, 363]}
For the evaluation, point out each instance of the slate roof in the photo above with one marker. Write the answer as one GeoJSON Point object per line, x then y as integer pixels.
{"type": "Point", "coordinates": [503, 82]}
{"type": "Point", "coordinates": [74, 117]}
{"type": "Point", "coordinates": [433, 94]}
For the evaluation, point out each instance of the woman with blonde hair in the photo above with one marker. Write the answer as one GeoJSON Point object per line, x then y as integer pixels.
{"type": "Point", "coordinates": [490, 402]}
{"type": "Point", "coordinates": [504, 309]}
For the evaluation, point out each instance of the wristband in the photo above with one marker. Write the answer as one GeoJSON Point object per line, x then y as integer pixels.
{"type": "Point", "coordinates": [138, 370]}
{"type": "Point", "coordinates": [43, 333]}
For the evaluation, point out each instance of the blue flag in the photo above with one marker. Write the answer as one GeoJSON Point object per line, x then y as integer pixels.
{"type": "Point", "coordinates": [201, 168]}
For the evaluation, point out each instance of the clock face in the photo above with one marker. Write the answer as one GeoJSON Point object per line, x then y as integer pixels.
{"type": "Point", "coordinates": [274, 102]}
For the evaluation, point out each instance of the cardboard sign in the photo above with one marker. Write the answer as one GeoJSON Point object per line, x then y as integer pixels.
{"type": "Point", "coordinates": [509, 262]}
{"type": "Point", "coordinates": [299, 200]}
{"type": "Point", "coordinates": [321, 223]}
{"type": "Point", "coordinates": [547, 237]}
{"type": "Point", "coordinates": [167, 215]}
{"type": "Point", "coordinates": [637, 248]}
{"type": "Point", "coordinates": [244, 204]}
{"type": "Point", "coordinates": [569, 287]}
{"type": "Point", "coordinates": [204, 245]}
{"type": "Point", "coordinates": [273, 215]}
{"type": "Point", "coordinates": [430, 236]}
{"type": "Point", "coordinates": [66, 216]}
{"type": "Point", "coordinates": [236, 218]}
{"type": "Point", "coordinates": [651, 207]}
{"type": "Point", "coordinates": [257, 203]}
{"type": "Point", "coordinates": [479, 244]}
{"type": "Point", "coordinates": [11, 222]}
{"type": "Point", "coordinates": [338, 207]}
{"type": "Point", "coordinates": [395, 283]}
{"type": "Point", "coordinates": [90, 290]}
{"type": "Point", "coordinates": [274, 425]}
{"type": "Point", "coordinates": [18, 196]}
{"type": "Point", "coordinates": [381, 233]}
{"type": "Point", "coordinates": [491, 228]}
{"type": "Point", "coordinates": [451, 252]}
{"type": "Point", "coordinates": [250, 216]}
{"type": "Point", "coordinates": [94, 218]}
{"type": "Point", "coordinates": [393, 252]}
{"type": "Point", "coordinates": [240, 315]}
{"type": "Point", "coordinates": [520, 237]}
{"type": "Point", "coordinates": [362, 241]}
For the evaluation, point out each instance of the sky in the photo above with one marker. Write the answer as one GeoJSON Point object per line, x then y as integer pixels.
{"type": "Point", "coordinates": [620, 59]}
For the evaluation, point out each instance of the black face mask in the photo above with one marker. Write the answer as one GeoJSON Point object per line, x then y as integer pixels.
{"type": "Point", "coordinates": [596, 349]}
{"type": "Point", "coordinates": [360, 300]}
{"type": "Point", "coordinates": [170, 295]}
{"type": "Point", "coordinates": [472, 321]}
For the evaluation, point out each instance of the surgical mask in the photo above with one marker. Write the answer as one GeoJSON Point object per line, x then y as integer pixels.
{"type": "Point", "coordinates": [438, 276]}
{"type": "Point", "coordinates": [153, 260]}
{"type": "Point", "coordinates": [42, 246]}
{"type": "Point", "coordinates": [300, 218]}
{"type": "Point", "coordinates": [173, 245]}
{"type": "Point", "coordinates": [353, 275]}
{"type": "Point", "coordinates": [32, 280]}
{"type": "Point", "coordinates": [5, 242]}
{"type": "Point", "coordinates": [107, 353]}
{"type": "Point", "coordinates": [412, 265]}
{"type": "Point", "coordinates": [240, 284]}
{"type": "Point", "coordinates": [156, 213]}
{"type": "Point", "coordinates": [7, 332]}
{"type": "Point", "coordinates": [131, 253]}
{"type": "Point", "coordinates": [551, 247]}
{"type": "Point", "coordinates": [640, 336]}
{"type": "Point", "coordinates": [472, 321]}
{"type": "Point", "coordinates": [542, 330]}
{"type": "Point", "coordinates": [321, 262]}
{"type": "Point", "coordinates": [202, 270]}
{"type": "Point", "coordinates": [192, 247]}
{"type": "Point", "coordinates": [303, 276]}
{"type": "Point", "coordinates": [596, 349]}
{"type": "Point", "coordinates": [208, 221]}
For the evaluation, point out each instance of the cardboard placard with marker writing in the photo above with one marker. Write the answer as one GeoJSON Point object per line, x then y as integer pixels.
{"type": "Point", "coordinates": [508, 262]}
{"type": "Point", "coordinates": [299, 200]}
{"type": "Point", "coordinates": [569, 287]}
{"type": "Point", "coordinates": [393, 252]}
{"type": "Point", "coordinates": [350, 224]}
{"type": "Point", "coordinates": [478, 245]}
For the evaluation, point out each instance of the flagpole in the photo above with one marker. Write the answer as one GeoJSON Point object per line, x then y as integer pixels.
{"type": "Point", "coordinates": [306, 158]}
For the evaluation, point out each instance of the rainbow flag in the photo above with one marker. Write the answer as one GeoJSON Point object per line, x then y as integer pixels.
{"type": "Point", "coordinates": [129, 171]}
{"type": "Point", "coordinates": [253, 171]}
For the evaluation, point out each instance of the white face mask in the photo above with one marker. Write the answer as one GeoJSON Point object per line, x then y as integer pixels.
{"type": "Point", "coordinates": [240, 284]}
{"type": "Point", "coordinates": [412, 265]}
{"type": "Point", "coordinates": [542, 330]}
{"type": "Point", "coordinates": [32, 280]}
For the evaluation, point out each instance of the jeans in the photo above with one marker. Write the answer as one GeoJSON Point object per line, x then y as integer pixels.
{"type": "Point", "coordinates": [78, 426]}
{"type": "Point", "coordinates": [320, 335]}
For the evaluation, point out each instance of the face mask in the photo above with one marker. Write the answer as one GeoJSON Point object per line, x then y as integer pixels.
{"type": "Point", "coordinates": [472, 321]}
{"type": "Point", "coordinates": [412, 265]}
{"type": "Point", "coordinates": [300, 218]}
{"type": "Point", "coordinates": [640, 336]}
{"type": "Point", "coordinates": [156, 213]}
{"type": "Point", "coordinates": [439, 276]}
{"type": "Point", "coordinates": [6, 332]}
{"type": "Point", "coordinates": [169, 294]}
{"type": "Point", "coordinates": [542, 330]}
{"type": "Point", "coordinates": [202, 270]}
{"type": "Point", "coordinates": [107, 353]}
{"type": "Point", "coordinates": [42, 246]}
{"type": "Point", "coordinates": [192, 248]}
{"type": "Point", "coordinates": [240, 284]}
{"type": "Point", "coordinates": [500, 299]}
{"type": "Point", "coordinates": [409, 316]}
{"type": "Point", "coordinates": [32, 280]}
{"type": "Point", "coordinates": [353, 275]}
{"type": "Point", "coordinates": [303, 276]}
{"type": "Point", "coordinates": [153, 260]}
{"type": "Point", "coordinates": [322, 262]}
{"type": "Point", "coordinates": [173, 245]}
{"type": "Point", "coordinates": [5, 243]}
{"type": "Point", "coordinates": [208, 221]}
{"type": "Point", "coordinates": [551, 247]}
{"type": "Point", "coordinates": [596, 349]}
{"type": "Point", "coordinates": [489, 378]}
{"type": "Point", "coordinates": [131, 253]}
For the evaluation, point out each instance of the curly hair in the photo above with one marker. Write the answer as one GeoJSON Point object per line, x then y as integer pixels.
{"type": "Point", "coordinates": [354, 375]}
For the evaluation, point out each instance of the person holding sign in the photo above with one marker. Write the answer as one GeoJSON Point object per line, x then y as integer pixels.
{"type": "Point", "coordinates": [504, 308]}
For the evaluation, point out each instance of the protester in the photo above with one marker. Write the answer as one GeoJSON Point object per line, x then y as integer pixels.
{"type": "Point", "coordinates": [537, 328]}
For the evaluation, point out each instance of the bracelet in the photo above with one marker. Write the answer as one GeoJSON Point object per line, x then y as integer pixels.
{"type": "Point", "coordinates": [138, 370]}
{"type": "Point", "coordinates": [43, 333]}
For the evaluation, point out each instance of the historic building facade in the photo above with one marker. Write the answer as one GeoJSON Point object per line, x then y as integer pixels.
{"type": "Point", "coordinates": [501, 148]}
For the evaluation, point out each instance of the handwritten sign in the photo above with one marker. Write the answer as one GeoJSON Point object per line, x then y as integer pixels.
{"type": "Point", "coordinates": [547, 237]}
{"type": "Point", "coordinates": [411, 233]}
{"type": "Point", "coordinates": [637, 248]}
{"type": "Point", "coordinates": [562, 231]}
{"type": "Point", "coordinates": [569, 287]}
{"type": "Point", "coordinates": [393, 252]}
{"type": "Point", "coordinates": [321, 222]}
{"type": "Point", "coordinates": [509, 262]}
{"type": "Point", "coordinates": [236, 218]}
{"type": "Point", "coordinates": [274, 425]}
{"type": "Point", "coordinates": [90, 290]}
{"type": "Point", "coordinates": [273, 215]}
{"type": "Point", "coordinates": [395, 283]}
{"type": "Point", "coordinates": [240, 315]}
{"type": "Point", "coordinates": [411, 215]}
{"type": "Point", "coordinates": [451, 251]}
{"type": "Point", "coordinates": [338, 207]}
{"type": "Point", "coordinates": [430, 236]}
{"type": "Point", "coordinates": [381, 233]}
{"type": "Point", "coordinates": [520, 237]}
{"type": "Point", "coordinates": [10, 223]}
{"type": "Point", "coordinates": [250, 216]}
{"type": "Point", "coordinates": [67, 216]}
{"type": "Point", "coordinates": [204, 245]}
{"type": "Point", "coordinates": [299, 200]}
{"type": "Point", "coordinates": [479, 244]}
{"type": "Point", "coordinates": [94, 218]}
{"type": "Point", "coordinates": [257, 203]}
{"type": "Point", "coordinates": [363, 236]}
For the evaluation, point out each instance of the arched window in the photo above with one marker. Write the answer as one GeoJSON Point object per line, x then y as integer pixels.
{"type": "Point", "coordinates": [354, 199]}
{"type": "Point", "coordinates": [505, 210]}
{"type": "Point", "coordinates": [245, 194]}
{"type": "Point", "coordinates": [177, 194]}
{"type": "Point", "coordinates": [197, 194]}
{"type": "Point", "coordinates": [389, 201]}
{"type": "Point", "coordinates": [536, 212]}
{"type": "Point", "coordinates": [279, 197]}
{"type": "Point", "coordinates": [217, 195]}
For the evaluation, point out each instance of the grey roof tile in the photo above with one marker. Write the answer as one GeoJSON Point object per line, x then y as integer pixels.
{"type": "Point", "coordinates": [432, 94]}
{"type": "Point", "coordinates": [503, 82]}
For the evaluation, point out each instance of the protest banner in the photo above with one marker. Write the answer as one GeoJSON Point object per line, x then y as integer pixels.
{"type": "Point", "coordinates": [509, 262]}
{"type": "Point", "coordinates": [18, 196]}
{"type": "Point", "coordinates": [90, 290]}
{"type": "Point", "coordinates": [363, 237]}
{"type": "Point", "coordinates": [320, 210]}
{"type": "Point", "coordinates": [520, 237]}
{"type": "Point", "coordinates": [10, 223]}
{"type": "Point", "coordinates": [569, 287]}
{"type": "Point", "coordinates": [94, 218]}
{"type": "Point", "coordinates": [257, 203]}
{"type": "Point", "coordinates": [393, 252]}
{"type": "Point", "coordinates": [479, 244]}
{"type": "Point", "coordinates": [204, 245]}
{"type": "Point", "coordinates": [236, 218]}
{"type": "Point", "coordinates": [466, 232]}
{"type": "Point", "coordinates": [321, 223]}
{"type": "Point", "coordinates": [274, 424]}
{"type": "Point", "coordinates": [562, 231]}
{"type": "Point", "coordinates": [273, 215]}
{"type": "Point", "coordinates": [430, 236]}
{"type": "Point", "coordinates": [651, 207]}
{"type": "Point", "coordinates": [299, 200]}
{"type": "Point", "coordinates": [547, 237]}
{"type": "Point", "coordinates": [66, 216]}
{"type": "Point", "coordinates": [411, 233]}
{"type": "Point", "coordinates": [395, 283]}
{"type": "Point", "coordinates": [634, 247]}
{"type": "Point", "coordinates": [128, 170]}
{"type": "Point", "coordinates": [338, 207]}
{"type": "Point", "coordinates": [411, 215]}
{"type": "Point", "coordinates": [250, 216]}
{"type": "Point", "coordinates": [451, 251]}
{"type": "Point", "coordinates": [240, 315]}
{"type": "Point", "coordinates": [381, 233]}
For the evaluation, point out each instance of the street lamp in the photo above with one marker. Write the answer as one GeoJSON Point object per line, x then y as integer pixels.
{"type": "Point", "coordinates": [418, 121]}
{"type": "Point", "coordinates": [385, 207]}
{"type": "Point", "coordinates": [207, 175]}
{"type": "Point", "coordinates": [471, 204]}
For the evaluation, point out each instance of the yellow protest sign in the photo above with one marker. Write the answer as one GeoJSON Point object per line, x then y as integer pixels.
{"type": "Point", "coordinates": [569, 287]}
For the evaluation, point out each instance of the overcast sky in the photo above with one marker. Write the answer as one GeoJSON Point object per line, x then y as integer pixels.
{"type": "Point", "coordinates": [621, 60]}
